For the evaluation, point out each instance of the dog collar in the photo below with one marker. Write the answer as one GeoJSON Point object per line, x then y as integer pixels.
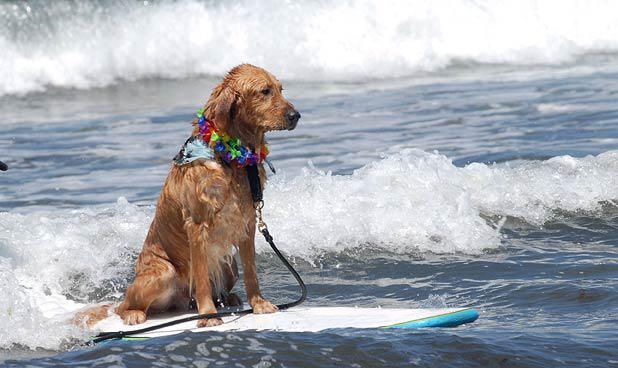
{"type": "Point", "coordinates": [210, 142]}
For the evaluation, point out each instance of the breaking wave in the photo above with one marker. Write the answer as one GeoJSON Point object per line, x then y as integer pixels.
{"type": "Point", "coordinates": [79, 44]}
{"type": "Point", "coordinates": [51, 263]}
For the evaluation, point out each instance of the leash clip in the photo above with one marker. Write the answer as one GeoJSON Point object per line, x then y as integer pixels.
{"type": "Point", "coordinates": [258, 211]}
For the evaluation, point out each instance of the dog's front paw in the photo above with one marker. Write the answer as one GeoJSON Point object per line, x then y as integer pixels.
{"type": "Point", "coordinates": [209, 322]}
{"type": "Point", "coordinates": [133, 317]}
{"type": "Point", "coordinates": [262, 306]}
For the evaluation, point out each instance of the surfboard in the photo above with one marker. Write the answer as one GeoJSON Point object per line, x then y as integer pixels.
{"type": "Point", "coordinates": [305, 319]}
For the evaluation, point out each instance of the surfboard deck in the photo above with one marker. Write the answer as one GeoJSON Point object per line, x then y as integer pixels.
{"type": "Point", "coordinates": [305, 319]}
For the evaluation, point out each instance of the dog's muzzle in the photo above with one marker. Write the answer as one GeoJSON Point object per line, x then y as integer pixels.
{"type": "Point", "coordinates": [291, 117]}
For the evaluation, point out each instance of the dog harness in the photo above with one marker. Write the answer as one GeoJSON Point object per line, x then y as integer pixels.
{"type": "Point", "coordinates": [194, 149]}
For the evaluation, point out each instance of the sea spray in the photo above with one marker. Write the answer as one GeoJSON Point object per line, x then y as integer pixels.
{"type": "Point", "coordinates": [413, 201]}
{"type": "Point", "coordinates": [80, 44]}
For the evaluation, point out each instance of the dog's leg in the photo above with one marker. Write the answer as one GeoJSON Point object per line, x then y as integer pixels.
{"type": "Point", "coordinates": [154, 282]}
{"type": "Point", "coordinates": [247, 256]}
{"type": "Point", "coordinates": [201, 277]}
{"type": "Point", "coordinates": [229, 275]}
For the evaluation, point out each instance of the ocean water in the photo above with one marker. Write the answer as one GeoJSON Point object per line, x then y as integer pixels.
{"type": "Point", "coordinates": [450, 154]}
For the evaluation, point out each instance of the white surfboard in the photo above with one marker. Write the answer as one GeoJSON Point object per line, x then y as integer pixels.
{"type": "Point", "coordinates": [304, 319]}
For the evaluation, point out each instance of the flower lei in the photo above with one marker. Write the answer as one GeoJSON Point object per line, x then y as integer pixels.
{"type": "Point", "coordinates": [230, 149]}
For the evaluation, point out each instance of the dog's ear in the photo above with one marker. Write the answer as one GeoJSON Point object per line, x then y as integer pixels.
{"type": "Point", "coordinates": [223, 107]}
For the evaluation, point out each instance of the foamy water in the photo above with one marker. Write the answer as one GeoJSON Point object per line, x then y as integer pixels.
{"type": "Point", "coordinates": [413, 201]}
{"type": "Point", "coordinates": [92, 44]}
{"type": "Point", "coordinates": [421, 201]}
{"type": "Point", "coordinates": [481, 178]}
{"type": "Point", "coordinates": [53, 263]}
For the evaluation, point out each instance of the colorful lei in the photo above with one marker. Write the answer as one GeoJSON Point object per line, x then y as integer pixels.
{"type": "Point", "coordinates": [230, 149]}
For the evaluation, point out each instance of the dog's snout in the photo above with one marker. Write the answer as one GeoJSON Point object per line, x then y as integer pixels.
{"type": "Point", "coordinates": [292, 116]}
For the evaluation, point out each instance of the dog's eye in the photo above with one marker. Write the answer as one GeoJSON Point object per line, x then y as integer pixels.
{"type": "Point", "coordinates": [266, 91]}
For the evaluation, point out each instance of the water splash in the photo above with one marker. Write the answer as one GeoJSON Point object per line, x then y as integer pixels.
{"type": "Point", "coordinates": [410, 201]}
{"type": "Point", "coordinates": [90, 44]}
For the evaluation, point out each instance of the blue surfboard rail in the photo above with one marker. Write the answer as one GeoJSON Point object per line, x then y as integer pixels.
{"type": "Point", "coordinates": [452, 319]}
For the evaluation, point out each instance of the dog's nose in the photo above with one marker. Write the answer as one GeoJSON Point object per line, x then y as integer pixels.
{"type": "Point", "coordinates": [292, 116]}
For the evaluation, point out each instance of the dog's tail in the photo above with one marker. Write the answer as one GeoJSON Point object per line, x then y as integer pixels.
{"type": "Point", "coordinates": [91, 315]}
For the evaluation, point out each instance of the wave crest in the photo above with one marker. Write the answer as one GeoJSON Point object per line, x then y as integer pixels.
{"type": "Point", "coordinates": [52, 262]}
{"type": "Point", "coordinates": [91, 44]}
{"type": "Point", "coordinates": [420, 201]}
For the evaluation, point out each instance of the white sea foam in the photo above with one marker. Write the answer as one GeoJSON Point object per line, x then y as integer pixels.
{"type": "Point", "coordinates": [51, 262]}
{"type": "Point", "coordinates": [417, 200]}
{"type": "Point", "coordinates": [408, 202]}
{"type": "Point", "coordinates": [87, 44]}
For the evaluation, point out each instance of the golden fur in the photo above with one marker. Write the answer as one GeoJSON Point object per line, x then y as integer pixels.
{"type": "Point", "coordinates": [205, 210]}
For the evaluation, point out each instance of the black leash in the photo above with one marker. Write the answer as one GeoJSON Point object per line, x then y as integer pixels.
{"type": "Point", "coordinates": [256, 193]}
{"type": "Point", "coordinates": [255, 184]}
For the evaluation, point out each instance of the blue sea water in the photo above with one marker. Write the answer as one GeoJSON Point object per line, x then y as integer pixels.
{"type": "Point", "coordinates": [445, 157]}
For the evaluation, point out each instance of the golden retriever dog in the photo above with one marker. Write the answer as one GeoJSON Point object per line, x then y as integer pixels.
{"type": "Point", "coordinates": [205, 212]}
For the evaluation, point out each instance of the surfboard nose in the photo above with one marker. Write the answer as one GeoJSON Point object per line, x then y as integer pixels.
{"type": "Point", "coordinates": [451, 319]}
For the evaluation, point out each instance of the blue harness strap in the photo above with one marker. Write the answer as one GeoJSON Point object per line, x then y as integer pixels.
{"type": "Point", "coordinates": [194, 149]}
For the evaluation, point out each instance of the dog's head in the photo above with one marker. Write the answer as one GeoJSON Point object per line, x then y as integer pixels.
{"type": "Point", "coordinates": [250, 101]}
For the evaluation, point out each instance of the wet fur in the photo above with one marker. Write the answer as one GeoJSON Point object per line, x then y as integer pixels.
{"type": "Point", "coordinates": [205, 211]}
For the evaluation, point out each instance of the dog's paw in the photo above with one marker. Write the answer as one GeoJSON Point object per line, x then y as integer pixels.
{"type": "Point", "coordinates": [133, 317]}
{"type": "Point", "coordinates": [210, 322]}
{"type": "Point", "coordinates": [262, 306]}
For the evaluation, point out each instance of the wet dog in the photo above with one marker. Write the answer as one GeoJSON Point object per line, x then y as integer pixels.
{"type": "Point", "coordinates": [205, 211]}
